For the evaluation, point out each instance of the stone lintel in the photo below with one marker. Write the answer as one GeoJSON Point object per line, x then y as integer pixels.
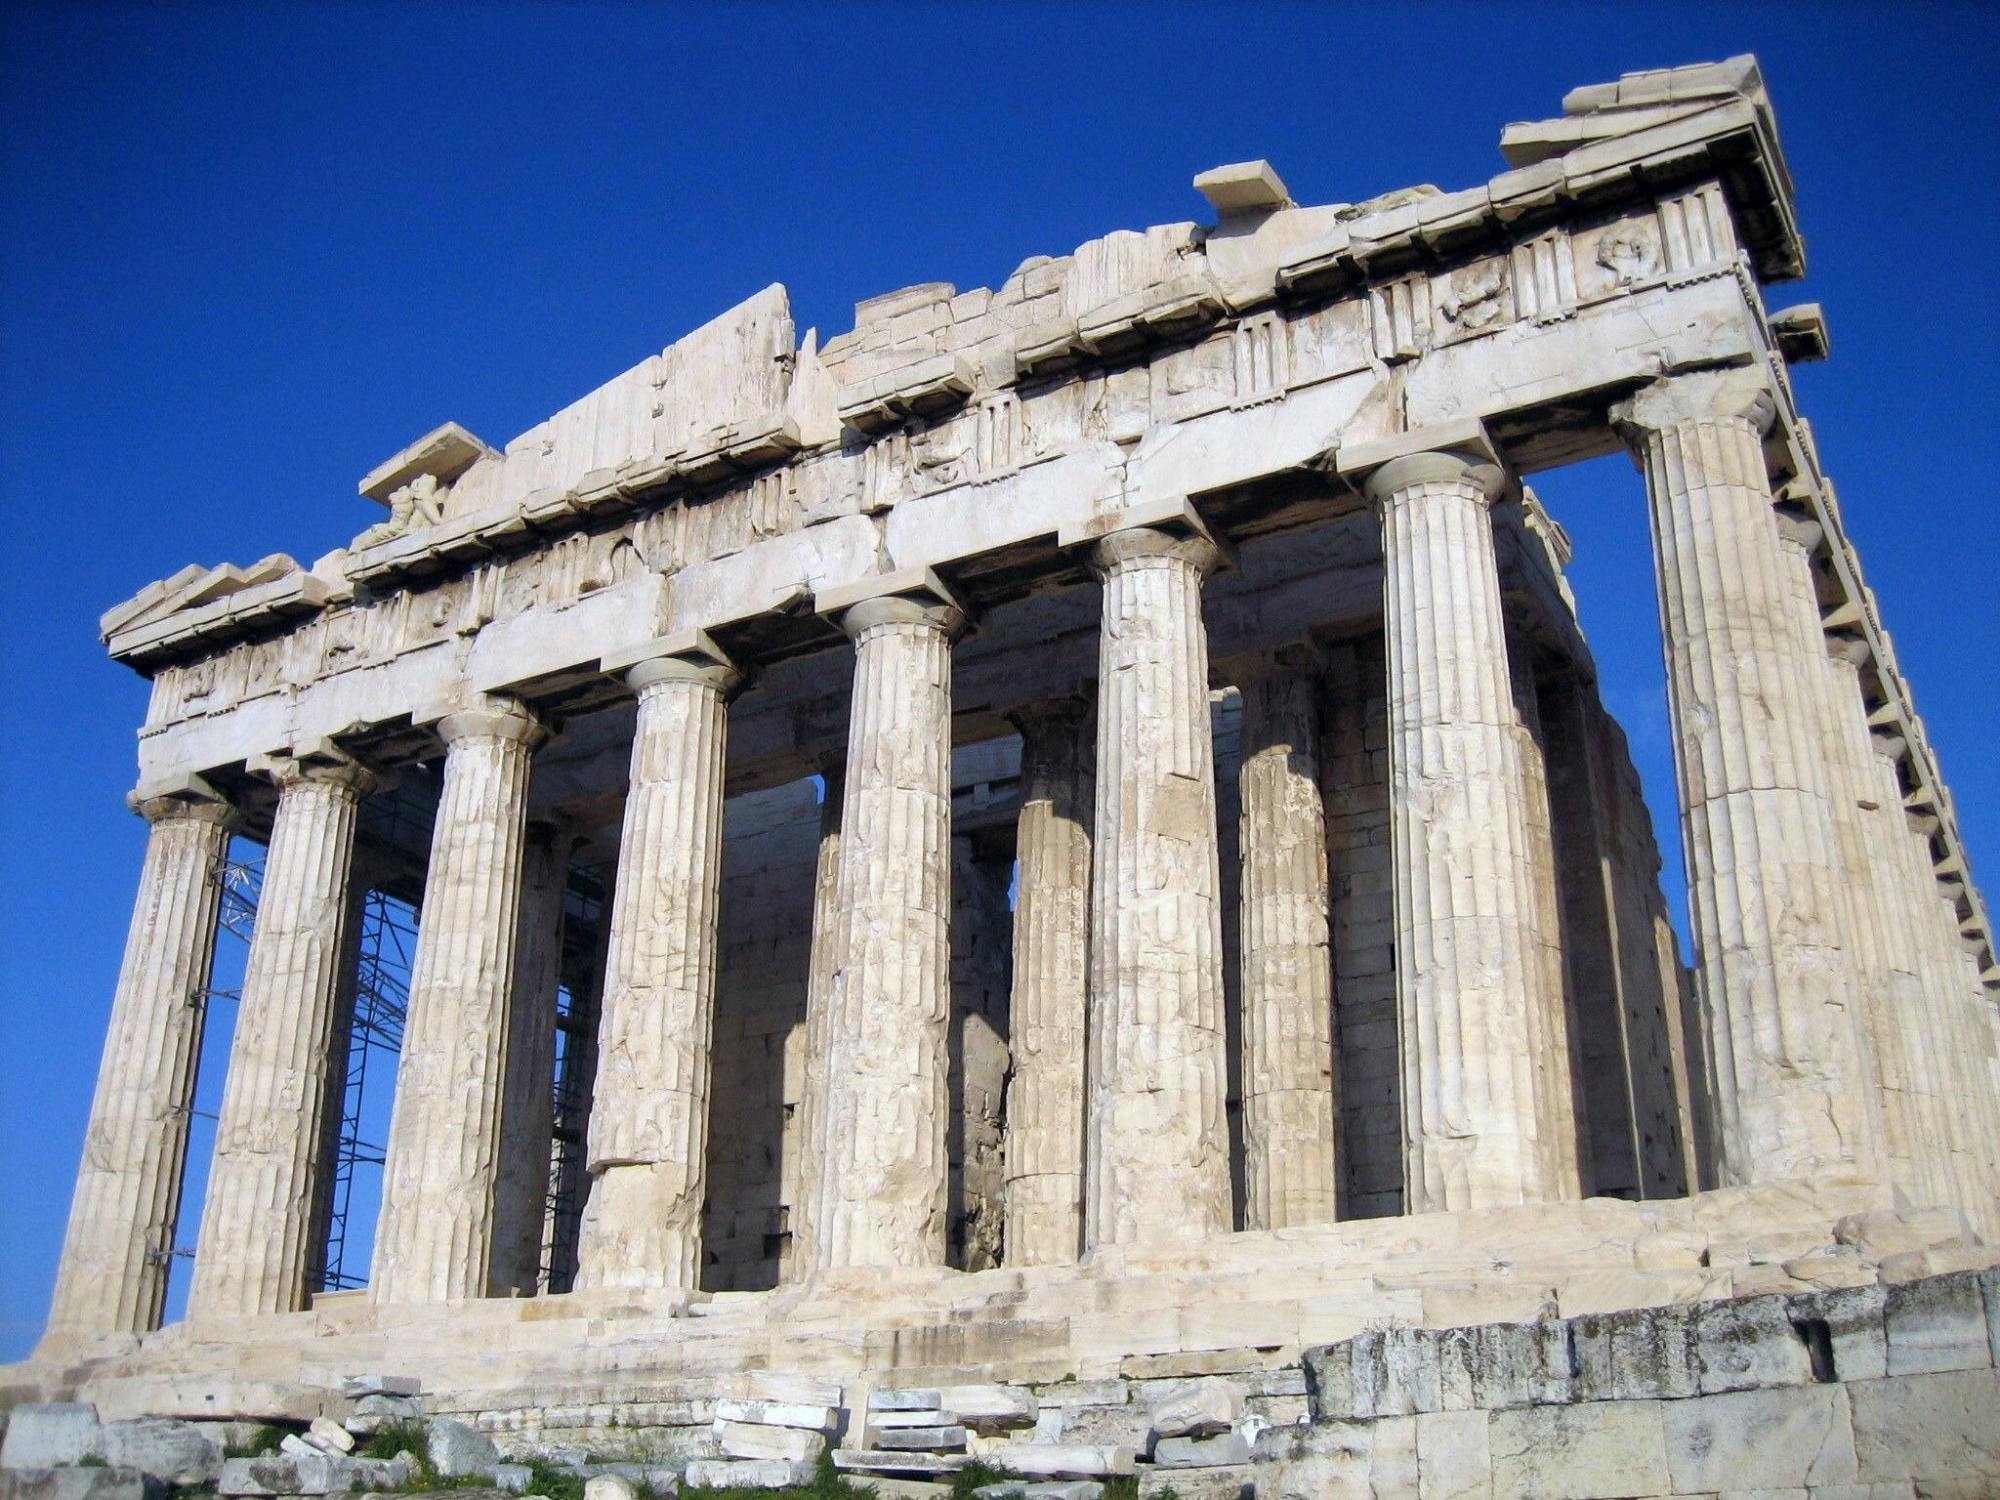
{"type": "Point", "coordinates": [1243, 187]}
{"type": "Point", "coordinates": [692, 645]}
{"type": "Point", "coordinates": [1175, 514]}
{"type": "Point", "coordinates": [178, 786]}
{"type": "Point", "coordinates": [444, 453]}
{"type": "Point", "coordinates": [904, 583]}
{"type": "Point", "coordinates": [319, 756]}
{"type": "Point", "coordinates": [1464, 438]}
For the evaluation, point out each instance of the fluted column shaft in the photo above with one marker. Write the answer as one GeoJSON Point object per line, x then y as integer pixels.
{"type": "Point", "coordinates": [113, 1274]}
{"type": "Point", "coordinates": [527, 1112]}
{"type": "Point", "coordinates": [1157, 1133]}
{"type": "Point", "coordinates": [1791, 1083]}
{"type": "Point", "coordinates": [1916, 1128]}
{"type": "Point", "coordinates": [1909, 929]}
{"type": "Point", "coordinates": [649, 1119]}
{"type": "Point", "coordinates": [884, 1180]}
{"type": "Point", "coordinates": [1469, 979]}
{"type": "Point", "coordinates": [810, 1137]}
{"type": "Point", "coordinates": [1286, 955]}
{"type": "Point", "coordinates": [434, 1240]}
{"type": "Point", "coordinates": [1049, 1004]}
{"type": "Point", "coordinates": [258, 1216]}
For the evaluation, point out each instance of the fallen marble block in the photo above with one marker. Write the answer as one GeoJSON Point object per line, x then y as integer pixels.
{"type": "Point", "coordinates": [313, 1474]}
{"type": "Point", "coordinates": [47, 1434]}
{"type": "Point", "coordinates": [990, 1408]}
{"type": "Point", "coordinates": [1201, 1452]}
{"type": "Point", "coordinates": [878, 1420]}
{"type": "Point", "coordinates": [748, 1473]}
{"type": "Point", "coordinates": [330, 1436]}
{"type": "Point", "coordinates": [920, 1439]}
{"type": "Point", "coordinates": [1030, 1489]}
{"type": "Point", "coordinates": [513, 1478]}
{"type": "Point", "coordinates": [98, 1482]}
{"type": "Point", "coordinates": [374, 1413]}
{"type": "Point", "coordinates": [779, 1414]}
{"type": "Point", "coordinates": [1202, 1408]}
{"type": "Point", "coordinates": [745, 1440]}
{"type": "Point", "coordinates": [1066, 1460]}
{"type": "Point", "coordinates": [919, 1400]}
{"type": "Point", "coordinates": [458, 1450]}
{"type": "Point", "coordinates": [178, 1452]}
{"type": "Point", "coordinates": [609, 1487]}
{"type": "Point", "coordinates": [871, 1460]}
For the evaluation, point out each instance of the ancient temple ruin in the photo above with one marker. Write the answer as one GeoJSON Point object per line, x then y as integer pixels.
{"type": "Point", "coordinates": [1117, 864]}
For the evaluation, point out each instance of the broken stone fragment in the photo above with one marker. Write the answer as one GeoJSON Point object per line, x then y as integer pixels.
{"type": "Point", "coordinates": [179, 1453]}
{"type": "Point", "coordinates": [779, 1414]}
{"type": "Point", "coordinates": [746, 1440]}
{"type": "Point", "coordinates": [329, 1436]}
{"type": "Point", "coordinates": [1201, 1409]}
{"type": "Point", "coordinates": [747, 1473]}
{"type": "Point", "coordinates": [608, 1487]}
{"type": "Point", "coordinates": [920, 1439]}
{"type": "Point", "coordinates": [989, 1408]}
{"type": "Point", "coordinates": [457, 1451]}
{"type": "Point", "coordinates": [104, 1483]}
{"type": "Point", "coordinates": [373, 1413]}
{"type": "Point", "coordinates": [43, 1435]}
{"type": "Point", "coordinates": [1058, 1489]}
{"type": "Point", "coordinates": [1201, 1453]}
{"type": "Point", "coordinates": [1066, 1460]}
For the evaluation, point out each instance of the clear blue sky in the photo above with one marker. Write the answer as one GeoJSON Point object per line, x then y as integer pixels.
{"type": "Point", "coordinates": [249, 252]}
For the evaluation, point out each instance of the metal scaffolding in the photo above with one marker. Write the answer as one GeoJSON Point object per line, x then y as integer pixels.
{"type": "Point", "coordinates": [381, 998]}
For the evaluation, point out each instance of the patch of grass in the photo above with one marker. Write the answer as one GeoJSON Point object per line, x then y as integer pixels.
{"type": "Point", "coordinates": [93, 1461]}
{"type": "Point", "coordinates": [972, 1476]}
{"type": "Point", "coordinates": [387, 1442]}
{"type": "Point", "coordinates": [553, 1480]}
{"type": "Point", "coordinates": [263, 1442]}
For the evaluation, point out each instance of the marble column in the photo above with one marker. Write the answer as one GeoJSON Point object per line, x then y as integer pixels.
{"type": "Point", "coordinates": [883, 1184]}
{"type": "Point", "coordinates": [1049, 1003]}
{"type": "Point", "coordinates": [527, 1112]}
{"type": "Point", "coordinates": [649, 1117]}
{"type": "Point", "coordinates": [258, 1216]}
{"type": "Point", "coordinates": [112, 1277]}
{"type": "Point", "coordinates": [1764, 870]}
{"type": "Point", "coordinates": [434, 1240]}
{"type": "Point", "coordinates": [1908, 928]}
{"type": "Point", "coordinates": [809, 1138]}
{"type": "Point", "coordinates": [1468, 974]}
{"type": "Point", "coordinates": [1157, 1132]}
{"type": "Point", "coordinates": [1287, 955]}
{"type": "Point", "coordinates": [1907, 1055]}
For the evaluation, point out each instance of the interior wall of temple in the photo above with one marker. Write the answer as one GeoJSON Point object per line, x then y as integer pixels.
{"type": "Point", "coordinates": [1355, 771]}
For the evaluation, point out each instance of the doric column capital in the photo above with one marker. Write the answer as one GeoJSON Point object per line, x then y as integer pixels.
{"type": "Point", "coordinates": [911, 596]}
{"type": "Point", "coordinates": [1435, 466]}
{"type": "Point", "coordinates": [323, 764]}
{"type": "Point", "coordinates": [1704, 396]}
{"type": "Point", "coordinates": [684, 656]}
{"type": "Point", "coordinates": [494, 718]}
{"type": "Point", "coordinates": [1458, 452]}
{"type": "Point", "coordinates": [193, 800]}
{"type": "Point", "coordinates": [1170, 528]}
